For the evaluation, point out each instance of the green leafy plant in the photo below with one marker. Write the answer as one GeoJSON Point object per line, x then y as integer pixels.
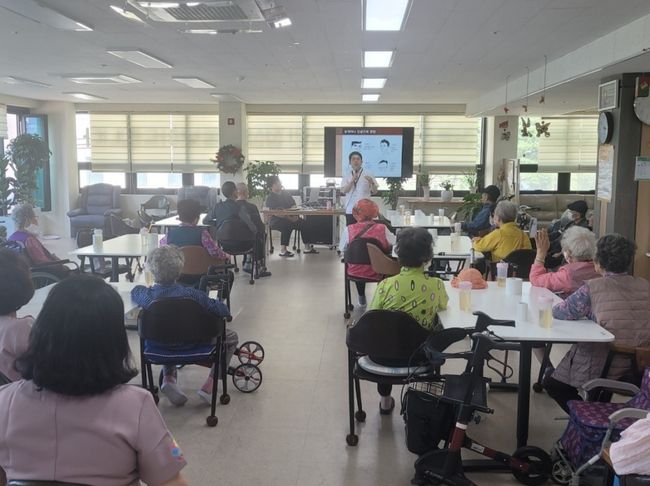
{"type": "Point", "coordinates": [470, 207]}
{"type": "Point", "coordinates": [422, 180]}
{"type": "Point", "coordinates": [395, 185]}
{"type": "Point", "coordinates": [447, 185]}
{"type": "Point", "coordinates": [471, 179]}
{"type": "Point", "coordinates": [257, 176]}
{"type": "Point", "coordinates": [6, 187]}
{"type": "Point", "coordinates": [27, 154]}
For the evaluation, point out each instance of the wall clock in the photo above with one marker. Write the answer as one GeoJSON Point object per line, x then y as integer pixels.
{"type": "Point", "coordinates": [605, 127]}
{"type": "Point", "coordinates": [642, 109]}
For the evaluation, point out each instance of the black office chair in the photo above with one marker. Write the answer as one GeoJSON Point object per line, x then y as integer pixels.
{"type": "Point", "coordinates": [177, 332]}
{"type": "Point", "coordinates": [393, 337]}
{"type": "Point", "coordinates": [356, 253]}
{"type": "Point", "coordinates": [236, 238]}
{"type": "Point", "coordinates": [33, 482]}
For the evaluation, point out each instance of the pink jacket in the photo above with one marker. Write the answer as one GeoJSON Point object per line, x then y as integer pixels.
{"type": "Point", "coordinates": [376, 231]}
{"type": "Point", "coordinates": [566, 280]}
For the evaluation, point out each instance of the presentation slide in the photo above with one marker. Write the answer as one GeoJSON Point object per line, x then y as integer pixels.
{"type": "Point", "coordinates": [381, 149]}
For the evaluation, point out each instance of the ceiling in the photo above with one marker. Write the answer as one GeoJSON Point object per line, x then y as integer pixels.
{"type": "Point", "coordinates": [450, 51]}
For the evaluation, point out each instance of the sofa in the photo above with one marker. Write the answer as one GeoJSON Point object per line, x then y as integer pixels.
{"type": "Point", "coordinates": [551, 206]}
{"type": "Point", "coordinates": [96, 203]}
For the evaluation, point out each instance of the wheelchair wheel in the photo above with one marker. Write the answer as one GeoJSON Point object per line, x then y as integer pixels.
{"type": "Point", "coordinates": [247, 378]}
{"type": "Point", "coordinates": [251, 352]}
{"type": "Point", "coordinates": [540, 466]}
{"type": "Point", "coordinates": [43, 279]}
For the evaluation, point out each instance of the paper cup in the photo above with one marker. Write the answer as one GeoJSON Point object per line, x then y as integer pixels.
{"type": "Point", "coordinates": [441, 212]}
{"type": "Point", "coordinates": [513, 286]}
{"type": "Point", "coordinates": [522, 312]}
{"type": "Point", "coordinates": [457, 227]}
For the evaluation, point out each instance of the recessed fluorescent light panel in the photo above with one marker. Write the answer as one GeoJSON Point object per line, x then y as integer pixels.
{"type": "Point", "coordinates": [141, 59]}
{"type": "Point", "coordinates": [158, 4]}
{"type": "Point", "coordinates": [369, 97]}
{"type": "Point", "coordinates": [194, 82]}
{"type": "Point", "coordinates": [377, 59]}
{"type": "Point", "coordinates": [284, 22]}
{"type": "Point", "coordinates": [86, 96]}
{"type": "Point", "coordinates": [127, 14]}
{"type": "Point", "coordinates": [373, 83]}
{"type": "Point", "coordinates": [102, 79]}
{"type": "Point", "coordinates": [385, 15]}
{"type": "Point", "coordinates": [27, 82]}
{"type": "Point", "coordinates": [200, 31]}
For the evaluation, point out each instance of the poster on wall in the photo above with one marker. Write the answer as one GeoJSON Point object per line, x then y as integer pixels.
{"type": "Point", "coordinates": [605, 172]}
{"type": "Point", "coordinates": [642, 169]}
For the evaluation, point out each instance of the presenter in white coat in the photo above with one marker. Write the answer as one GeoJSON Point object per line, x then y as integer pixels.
{"type": "Point", "coordinates": [358, 183]}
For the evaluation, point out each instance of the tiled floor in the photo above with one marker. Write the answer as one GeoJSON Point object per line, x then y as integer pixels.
{"type": "Point", "coordinates": [292, 430]}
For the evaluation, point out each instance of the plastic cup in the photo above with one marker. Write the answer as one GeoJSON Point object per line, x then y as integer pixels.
{"type": "Point", "coordinates": [513, 286]}
{"type": "Point", "coordinates": [401, 209]}
{"type": "Point", "coordinates": [441, 213]}
{"type": "Point", "coordinates": [465, 296]}
{"type": "Point", "coordinates": [546, 312]}
{"type": "Point", "coordinates": [502, 274]}
{"type": "Point", "coordinates": [98, 239]}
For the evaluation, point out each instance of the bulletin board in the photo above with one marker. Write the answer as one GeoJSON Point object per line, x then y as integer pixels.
{"type": "Point", "coordinates": [605, 172]}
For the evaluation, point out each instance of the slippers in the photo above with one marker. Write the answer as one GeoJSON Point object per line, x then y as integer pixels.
{"type": "Point", "coordinates": [389, 410]}
{"type": "Point", "coordinates": [286, 254]}
{"type": "Point", "coordinates": [312, 251]}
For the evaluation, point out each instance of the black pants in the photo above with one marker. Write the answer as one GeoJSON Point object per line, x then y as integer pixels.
{"type": "Point", "coordinates": [349, 219]}
{"type": "Point", "coordinates": [361, 288]}
{"type": "Point", "coordinates": [285, 227]}
{"type": "Point", "coordinates": [384, 389]}
{"type": "Point", "coordinates": [560, 392]}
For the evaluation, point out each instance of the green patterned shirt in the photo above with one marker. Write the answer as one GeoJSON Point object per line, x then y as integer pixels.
{"type": "Point", "coordinates": [413, 292]}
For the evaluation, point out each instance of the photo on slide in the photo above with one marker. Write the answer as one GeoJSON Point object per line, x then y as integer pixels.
{"type": "Point", "coordinates": [382, 153]}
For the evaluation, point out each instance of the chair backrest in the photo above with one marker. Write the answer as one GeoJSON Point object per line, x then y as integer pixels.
{"type": "Point", "coordinates": [178, 321]}
{"type": "Point", "coordinates": [206, 196]}
{"type": "Point", "coordinates": [235, 237]}
{"type": "Point", "coordinates": [119, 227]}
{"type": "Point", "coordinates": [84, 237]}
{"type": "Point", "coordinates": [386, 334]}
{"type": "Point", "coordinates": [197, 260]}
{"type": "Point", "coordinates": [356, 253]}
{"type": "Point", "coordinates": [380, 262]}
{"type": "Point", "coordinates": [156, 206]}
{"type": "Point", "coordinates": [520, 262]}
{"type": "Point", "coordinates": [634, 480]}
{"type": "Point", "coordinates": [99, 198]}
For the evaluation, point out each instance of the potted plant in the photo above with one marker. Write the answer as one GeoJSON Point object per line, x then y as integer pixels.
{"type": "Point", "coordinates": [448, 190]}
{"type": "Point", "coordinates": [25, 156]}
{"type": "Point", "coordinates": [394, 188]}
{"type": "Point", "coordinates": [422, 180]}
{"type": "Point", "coordinates": [257, 176]}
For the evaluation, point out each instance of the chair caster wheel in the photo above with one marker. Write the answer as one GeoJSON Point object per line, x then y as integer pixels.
{"type": "Point", "coordinates": [538, 387]}
{"type": "Point", "coordinates": [346, 315]}
{"type": "Point", "coordinates": [224, 399]}
{"type": "Point", "coordinates": [351, 307]}
{"type": "Point", "coordinates": [212, 421]}
{"type": "Point", "coordinates": [360, 415]}
{"type": "Point", "coordinates": [352, 439]}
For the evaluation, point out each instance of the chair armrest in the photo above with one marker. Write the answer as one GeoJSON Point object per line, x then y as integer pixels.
{"type": "Point", "coordinates": [75, 212]}
{"type": "Point", "coordinates": [116, 212]}
{"type": "Point", "coordinates": [620, 387]}
{"type": "Point", "coordinates": [44, 266]}
{"type": "Point", "coordinates": [217, 269]}
{"type": "Point", "coordinates": [624, 413]}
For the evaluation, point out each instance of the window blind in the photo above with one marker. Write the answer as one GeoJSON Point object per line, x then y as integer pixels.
{"type": "Point", "coordinates": [572, 146]}
{"type": "Point", "coordinates": [151, 147]}
{"type": "Point", "coordinates": [195, 140]}
{"type": "Point", "coordinates": [277, 138]}
{"type": "Point", "coordinates": [451, 144]}
{"type": "Point", "coordinates": [3, 121]}
{"type": "Point", "coordinates": [314, 138]}
{"type": "Point", "coordinates": [109, 142]}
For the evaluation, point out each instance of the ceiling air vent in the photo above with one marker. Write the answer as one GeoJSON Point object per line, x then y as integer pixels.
{"type": "Point", "coordinates": [200, 11]}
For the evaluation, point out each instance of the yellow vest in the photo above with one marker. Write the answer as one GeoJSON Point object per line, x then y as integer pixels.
{"type": "Point", "coordinates": [503, 241]}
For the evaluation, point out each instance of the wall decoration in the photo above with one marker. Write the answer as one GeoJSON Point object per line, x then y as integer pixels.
{"type": "Point", "coordinates": [525, 125]}
{"type": "Point", "coordinates": [608, 95]}
{"type": "Point", "coordinates": [505, 107]}
{"type": "Point", "coordinates": [642, 169]}
{"type": "Point", "coordinates": [605, 172]}
{"type": "Point", "coordinates": [505, 133]}
{"type": "Point", "coordinates": [525, 107]}
{"type": "Point", "coordinates": [229, 159]}
{"type": "Point", "coordinates": [542, 128]}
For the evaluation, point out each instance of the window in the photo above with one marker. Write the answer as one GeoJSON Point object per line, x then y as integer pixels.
{"type": "Point", "coordinates": [211, 179]}
{"type": "Point", "coordinates": [450, 144]}
{"type": "Point", "coordinates": [88, 177]}
{"type": "Point", "coordinates": [159, 180]}
{"type": "Point", "coordinates": [277, 138]}
{"type": "Point", "coordinates": [83, 138]}
{"type": "Point", "coordinates": [583, 182]}
{"type": "Point", "coordinates": [290, 181]}
{"type": "Point", "coordinates": [319, 180]}
{"type": "Point", "coordinates": [538, 181]}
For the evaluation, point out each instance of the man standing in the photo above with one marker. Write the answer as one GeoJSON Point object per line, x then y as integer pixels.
{"type": "Point", "coordinates": [260, 234]}
{"type": "Point", "coordinates": [357, 184]}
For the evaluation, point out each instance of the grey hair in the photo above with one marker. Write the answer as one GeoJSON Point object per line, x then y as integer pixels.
{"type": "Point", "coordinates": [22, 215]}
{"type": "Point", "coordinates": [165, 264]}
{"type": "Point", "coordinates": [242, 185]}
{"type": "Point", "coordinates": [506, 211]}
{"type": "Point", "coordinates": [580, 243]}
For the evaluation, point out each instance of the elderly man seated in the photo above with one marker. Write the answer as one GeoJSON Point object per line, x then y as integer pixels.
{"type": "Point", "coordinates": [260, 233]}
{"type": "Point", "coordinates": [165, 264]}
{"type": "Point", "coordinates": [507, 237]}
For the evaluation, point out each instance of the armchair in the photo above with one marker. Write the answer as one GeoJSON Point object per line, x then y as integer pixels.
{"type": "Point", "coordinates": [96, 203]}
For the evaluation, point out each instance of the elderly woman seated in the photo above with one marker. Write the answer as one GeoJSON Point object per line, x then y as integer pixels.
{"type": "Point", "coordinates": [619, 302]}
{"type": "Point", "coordinates": [578, 248]}
{"type": "Point", "coordinates": [507, 237]}
{"type": "Point", "coordinates": [24, 217]}
{"type": "Point", "coordinates": [411, 291]}
{"type": "Point", "coordinates": [16, 290]}
{"type": "Point", "coordinates": [165, 264]}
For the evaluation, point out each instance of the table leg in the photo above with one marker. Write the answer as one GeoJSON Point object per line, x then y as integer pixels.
{"type": "Point", "coordinates": [115, 269]}
{"type": "Point", "coordinates": [523, 397]}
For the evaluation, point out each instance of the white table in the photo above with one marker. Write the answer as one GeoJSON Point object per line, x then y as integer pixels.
{"type": "Point", "coordinates": [460, 247]}
{"type": "Point", "coordinates": [125, 246]}
{"type": "Point", "coordinates": [34, 306]}
{"type": "Point", "coordinates": [497, 304]}
{"type": "Point", "coordinates": [399, 221]}
{"type": "Point", "coordinates": [173, 221]}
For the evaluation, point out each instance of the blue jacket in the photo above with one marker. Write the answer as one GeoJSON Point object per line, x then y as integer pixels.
{"type": "Point", "coordinates": [481, 221]}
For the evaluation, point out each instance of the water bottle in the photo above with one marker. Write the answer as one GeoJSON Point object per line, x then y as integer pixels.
{"type": "Point", "coordinates": [98, 239]}
{"type": "Point", "coordinates": [144, 232]}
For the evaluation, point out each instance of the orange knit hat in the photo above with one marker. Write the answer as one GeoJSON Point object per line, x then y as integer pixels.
{"type": "Point", "coordinates": [470, 275]}
{"type": "Point", "coordinates": [365, 210]}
